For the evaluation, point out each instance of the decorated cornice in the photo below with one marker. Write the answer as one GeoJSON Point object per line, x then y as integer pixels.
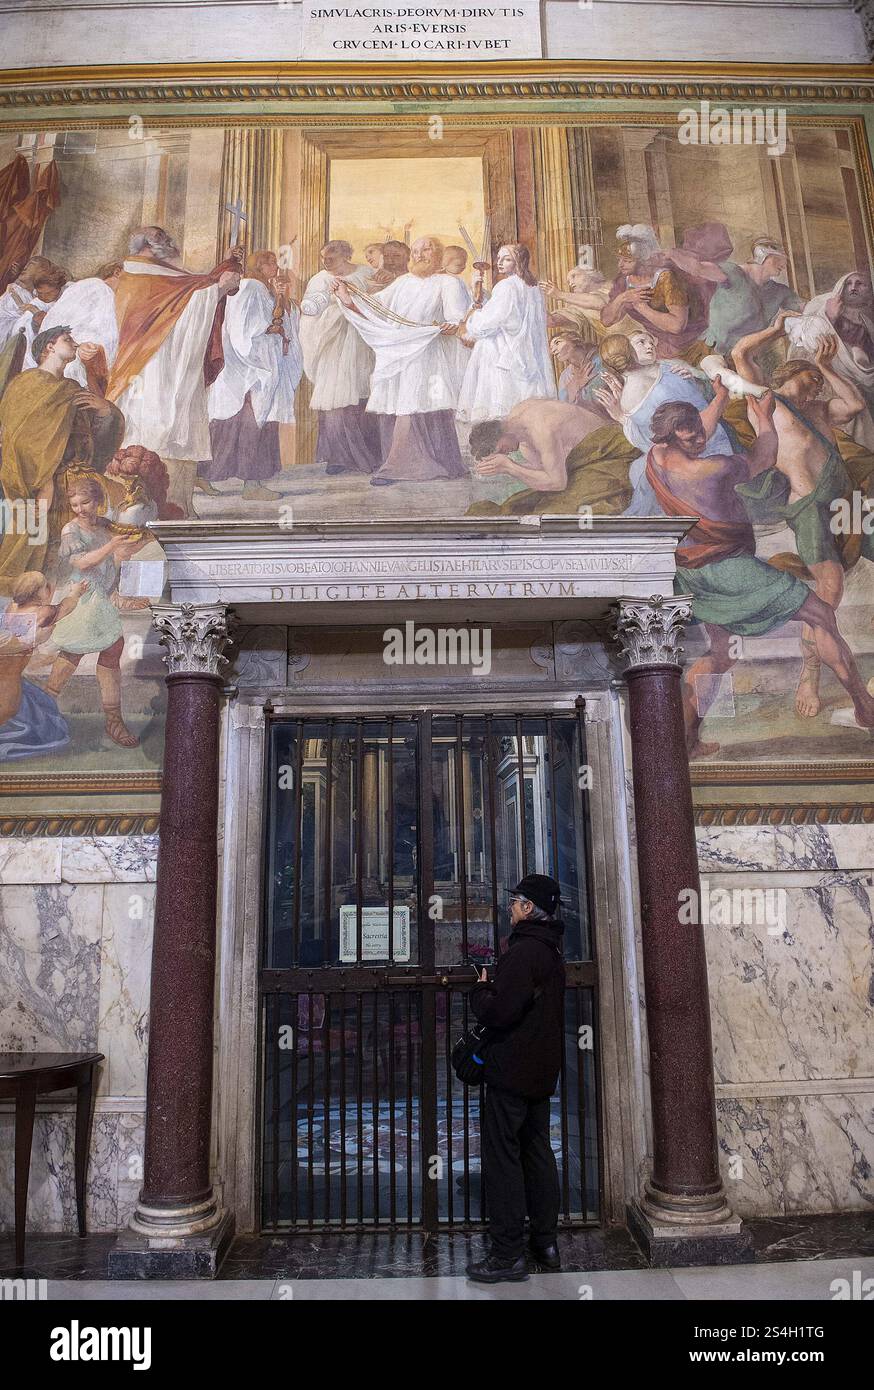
{"type": "Point", "coordinates": [547, 80]}
{"type": "Point", "coordinates": [115, 823]}
{"type": "Point", "coordinates": [79, 823]}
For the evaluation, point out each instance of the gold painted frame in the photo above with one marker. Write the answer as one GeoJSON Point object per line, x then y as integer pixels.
{"type": "Point", "coordinates": [331, 96]}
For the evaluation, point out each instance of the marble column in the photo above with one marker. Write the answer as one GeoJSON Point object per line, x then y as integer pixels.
{"type": "Point", "coordinates": [683, 1216]}
{"type": "Point", "coordinates": [178, 1228]}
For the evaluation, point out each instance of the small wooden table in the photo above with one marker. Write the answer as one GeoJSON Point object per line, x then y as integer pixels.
{"type": "Point", "coordinates": [23, 1077]}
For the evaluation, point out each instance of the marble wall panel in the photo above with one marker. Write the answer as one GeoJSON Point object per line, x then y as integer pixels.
{"type": "Point", "coordinates": [50, 967]}
{"type": "Point", "coordinates": [125, 966]}
{"type": "Point", "coordinates": [792, 1002]}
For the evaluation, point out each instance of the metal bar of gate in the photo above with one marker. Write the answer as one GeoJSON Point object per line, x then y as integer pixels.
{"type": "Point", "coordinates": [493, 829]}
{"type": "Point", "coordinates": [327, 847]}
{"type": "Point", "coordinates": [461, 837]}
{"type": "Point", "coordinates": [520, 762]}
{"type": "Point", "coordinates": [427, 1001]}
{"type": "Point", "coordinates": [298, 819]}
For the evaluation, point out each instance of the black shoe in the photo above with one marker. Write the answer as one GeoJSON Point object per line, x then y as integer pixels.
{"type": "Point", "coordinates": [546, 1256]}
{"type": "Point", "coordinates": [493, 1270]}
{"type": "Point", "coordinates": [376, 481]}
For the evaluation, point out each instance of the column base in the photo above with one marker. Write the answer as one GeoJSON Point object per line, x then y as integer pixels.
{"type": "Point", "coordinates": [668, 1243]}
{"type": "Point", "coordinates": [161, 1256]}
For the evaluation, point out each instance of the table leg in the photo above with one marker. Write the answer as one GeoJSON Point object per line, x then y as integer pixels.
{"type": "Point", "coordinates": [84, 1097]}
{"type": "Point", "coordinates": [25, 1109]}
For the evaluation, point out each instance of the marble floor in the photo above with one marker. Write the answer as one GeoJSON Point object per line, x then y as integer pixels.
{"type": "Point", "coordinates": [795, 1257]}
{"type": "Point", "coordinates": [789, 1281]}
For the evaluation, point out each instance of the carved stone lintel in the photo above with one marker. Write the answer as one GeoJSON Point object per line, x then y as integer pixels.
{"type": "Point", "coordinates": [865, 8]}
{"type": "Point", "coordinates": [195, 635]}
{"type": "Point", "coordinates": [649, 630]}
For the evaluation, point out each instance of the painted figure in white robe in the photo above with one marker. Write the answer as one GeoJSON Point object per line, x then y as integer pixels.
{"type": "Point", "coordinates": [845, 314]}
{"type": "Point", "coordinates": [253, 394]}
{"type": "Point", "coordinates": [169, 348]}
{"type": "Point", "coordinates": [88, 306]}
{"type": "Point", "coordinates": [338, 363]}
{"type": "Point", "coordinates": [510, 361]}
{"type": "Point", "coordinates": [411, 326]}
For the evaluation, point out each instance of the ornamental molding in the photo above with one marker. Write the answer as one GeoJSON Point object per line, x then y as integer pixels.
{"type": "Point", "coordinates": [195, 635]}
{"type": "Point", "coordinates": [649, 631]}
{"type": "Point", "coordinates": [524, 81]}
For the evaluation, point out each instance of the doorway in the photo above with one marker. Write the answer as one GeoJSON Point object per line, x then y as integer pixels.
{"type": "Point", "coordinates": [391, 844]}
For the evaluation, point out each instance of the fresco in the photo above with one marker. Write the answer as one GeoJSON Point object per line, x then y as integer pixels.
{"type": "Point", "coordinates": [390, 319]}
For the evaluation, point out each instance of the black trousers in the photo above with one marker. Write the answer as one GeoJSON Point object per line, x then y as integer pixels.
{"type": "Point", "coordinates": [519, 1170]}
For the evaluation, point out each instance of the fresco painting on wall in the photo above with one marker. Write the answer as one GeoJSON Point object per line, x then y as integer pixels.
{"type": "Point", "coordinates": [287, 320]}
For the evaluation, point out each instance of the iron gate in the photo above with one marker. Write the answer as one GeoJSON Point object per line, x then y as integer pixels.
{"type": "Point", "coordinates": [392, 842]}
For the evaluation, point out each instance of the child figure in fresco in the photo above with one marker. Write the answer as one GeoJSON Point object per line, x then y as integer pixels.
{"type": "Point", "coordinates": [31, 724]}
{"type": "Point", "coordinates": [93, 549]}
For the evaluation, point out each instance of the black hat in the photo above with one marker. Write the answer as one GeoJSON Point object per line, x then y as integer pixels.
{"type": "Point", "coordinates": [541, 890]}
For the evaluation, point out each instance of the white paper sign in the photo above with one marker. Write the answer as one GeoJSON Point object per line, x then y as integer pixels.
{"type": "Point", "coordinates": [374, 933]}
{"type": "Point", "coordinates": [421, 33]}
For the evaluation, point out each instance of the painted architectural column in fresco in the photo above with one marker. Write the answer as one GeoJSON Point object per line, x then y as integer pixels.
{"type": "Point", "coordinates": [177, 1197]}
{"type": "Point", "coordinates": [684, 1187]}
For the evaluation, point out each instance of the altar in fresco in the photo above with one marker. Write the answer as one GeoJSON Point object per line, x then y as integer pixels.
{"type": "Point", "coordinates": [449, 314]}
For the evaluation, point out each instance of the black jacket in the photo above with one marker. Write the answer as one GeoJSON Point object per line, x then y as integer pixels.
{"type": "Point", "coordinates": [525, 1056]}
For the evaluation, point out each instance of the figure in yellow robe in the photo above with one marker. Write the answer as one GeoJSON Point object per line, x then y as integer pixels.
{"type": "Point", "coordinates": [48, 425]}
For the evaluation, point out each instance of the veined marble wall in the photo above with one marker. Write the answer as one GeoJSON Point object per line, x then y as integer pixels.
{"type": "Point", "coordinates": [792, 1012]}
{"type": "Point", "coordinates": [75, 955]}
{"type": "Point", "coordinates": [792, 1008]}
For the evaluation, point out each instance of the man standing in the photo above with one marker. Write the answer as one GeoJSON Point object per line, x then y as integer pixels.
{"type": "Point", "coordinates": [522, 1061]}
{"type": "Point", "coordinates": [49, 425]}
{"type": "Point", "coordinates": [733, 592]}
{"type": "Point", "coordinates": [169, 353]}
{"type": "Point", "coordinates": [254, 393]}
{"type": "Point", "coordinates": [338, 364]}
{"type": "Point", "coordinates": [417, 377]}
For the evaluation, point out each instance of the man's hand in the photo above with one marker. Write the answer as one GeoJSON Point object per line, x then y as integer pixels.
{"type": "Point", "coordinates": [89, 400]}
{"type": "Point", "coordinates": [483, 977]}
{"type": "Point", "coordinates": [448, 329]}
{"type": "Point", "coordinates": [720, 392]}
{"type": "Point", "coordinates": [780, 320]}
{"type": "Point", "coordinates": [237, 254]}
{"type": "Point", "coordinates": [343, 293]}
{"type": "Point", "coordinates": [493, 463]}
{"type": "Point", "coordinates": [547, 287]}
{"type": "Point", "coordinates": [87, 351]}
{"type": "Point", "coordinates": [826, 349]}
{"type": "Point", "coordinates": [762, 407]}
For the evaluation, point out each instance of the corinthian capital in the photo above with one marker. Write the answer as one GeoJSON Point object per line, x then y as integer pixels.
{"type": "Point", "coordinates": [195, 635]}
{"type": "Point", "coordinates": [649, 630]}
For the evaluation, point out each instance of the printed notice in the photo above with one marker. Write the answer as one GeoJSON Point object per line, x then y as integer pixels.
{"type": "Point", "coordinates": [427, 33]}
{"type": "Point", "coordinates": [374, 933]}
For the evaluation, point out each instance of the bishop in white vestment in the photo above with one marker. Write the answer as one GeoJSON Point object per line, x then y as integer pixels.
{"type": "Point", "coordinates": [410, 325]}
